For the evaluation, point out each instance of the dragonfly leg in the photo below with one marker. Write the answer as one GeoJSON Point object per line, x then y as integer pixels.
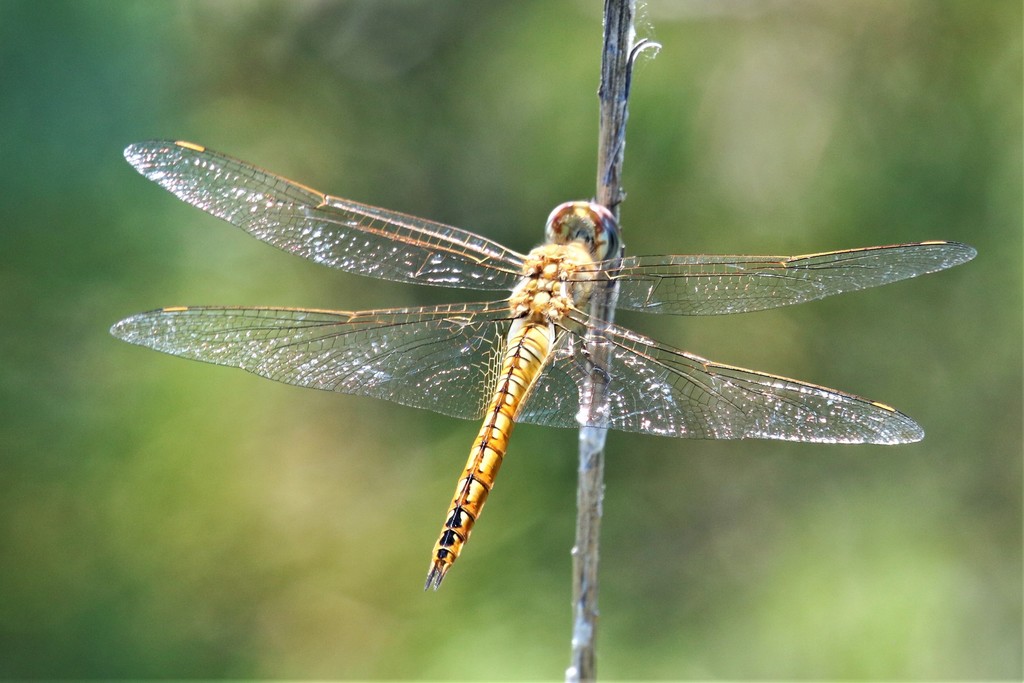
{"type": "Point", "coordinates": [593, 365]}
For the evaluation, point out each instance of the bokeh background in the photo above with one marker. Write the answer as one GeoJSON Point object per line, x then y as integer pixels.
{"type": "Point", "coordinates": [161, 518]}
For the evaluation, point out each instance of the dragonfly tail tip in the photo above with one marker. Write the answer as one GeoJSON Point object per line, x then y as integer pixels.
{"type": "Point", "coordinates": [435, 576]}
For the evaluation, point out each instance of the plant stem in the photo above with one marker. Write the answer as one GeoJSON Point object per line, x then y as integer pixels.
{"type": "Point", "coordinates": [616, 63]}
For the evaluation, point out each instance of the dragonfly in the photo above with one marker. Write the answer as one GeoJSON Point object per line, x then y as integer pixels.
{"type": "Point", "coordinates": [525, 357]}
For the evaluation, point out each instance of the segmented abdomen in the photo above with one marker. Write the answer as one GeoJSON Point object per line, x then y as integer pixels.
{"type": "Point", "coordinates": [529, 345]}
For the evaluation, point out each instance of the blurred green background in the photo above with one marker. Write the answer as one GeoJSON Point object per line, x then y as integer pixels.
{"type": "Point", "coordinates": [161, 518]}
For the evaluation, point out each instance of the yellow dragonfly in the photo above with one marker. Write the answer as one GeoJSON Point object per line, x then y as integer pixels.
{"type": "Point", "coordinates": [524, 357]}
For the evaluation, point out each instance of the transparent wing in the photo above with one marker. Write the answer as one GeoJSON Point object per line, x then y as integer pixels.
{"type": "Point", "coordinates": [442, 358]}
{"type": "Point", "coordinates": [660, 390]}
{"type": "Point", "coordinates": [712, 285]}
{"type": "Point", "coordinates": [334, 232]}
{"type": "Point", "coordinates": [446, 359]}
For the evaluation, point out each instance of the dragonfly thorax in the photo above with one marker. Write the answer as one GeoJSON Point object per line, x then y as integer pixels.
{"type": "Point", "coordinates": [556, 278]}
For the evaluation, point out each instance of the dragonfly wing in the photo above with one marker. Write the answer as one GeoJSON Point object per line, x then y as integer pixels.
{"type": "Point", "coordinates": [655, 389]}
{"type": "Point", "coordinates": [335, 232]}
{"type": "Point", "coordinates": [442, 358]}
{"type": "Point", "coordinates": [712, 285]}
{"type": "Point", "coordinates": [554, 400]}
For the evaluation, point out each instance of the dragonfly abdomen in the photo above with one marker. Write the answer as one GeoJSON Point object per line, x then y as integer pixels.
{"type": "Point", "coordinates": [529, 346]}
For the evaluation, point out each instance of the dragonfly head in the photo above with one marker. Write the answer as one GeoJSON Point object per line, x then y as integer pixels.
{"type": "Point", "coordinates": [590, 224]}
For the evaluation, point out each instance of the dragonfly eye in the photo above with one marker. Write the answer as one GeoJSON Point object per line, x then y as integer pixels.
{"type": "Point", "coordinates": [606, 233]}
{"type": "Point", "coordinates": [591, 224]}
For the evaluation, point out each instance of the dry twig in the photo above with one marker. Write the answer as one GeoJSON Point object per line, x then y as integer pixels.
{"type": "Point", "coordinates": [616, 63]}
